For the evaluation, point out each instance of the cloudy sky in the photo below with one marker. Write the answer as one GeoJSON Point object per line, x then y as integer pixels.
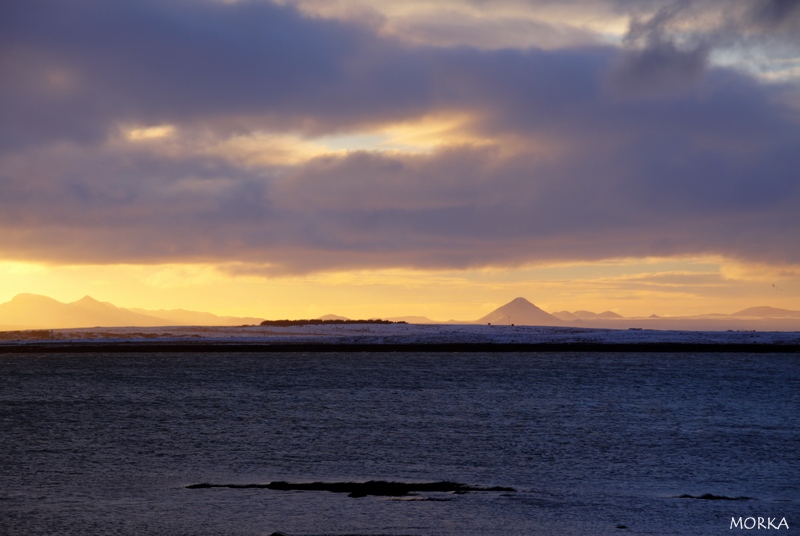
{"type": "Point", "coordinates": [383, 158]}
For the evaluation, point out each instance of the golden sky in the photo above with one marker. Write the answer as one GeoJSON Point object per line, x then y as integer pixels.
{"type": "Point", "coordinates": [631, 287]}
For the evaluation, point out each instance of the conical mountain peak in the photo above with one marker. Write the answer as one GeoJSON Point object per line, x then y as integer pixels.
{"type": "Point", "coordinates": [87, 300]}
{"type": "Point", "coordinates": [522, 312]}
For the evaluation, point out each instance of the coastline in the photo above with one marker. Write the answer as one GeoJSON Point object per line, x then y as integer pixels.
{"type": "Point", "coordinates": [211, 347]}
{"type": "Point", "coordinates": [392, 338]}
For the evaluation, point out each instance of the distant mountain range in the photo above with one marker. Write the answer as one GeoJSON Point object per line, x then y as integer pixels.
{"type": "Point", "coordinates": [522, 312]}
{"type": "Point", "coordinates": [585, 315]}
{"type": "Point", "coordinates": [767, 312]}
{"type": "Point", "coordinates": [31, 311]}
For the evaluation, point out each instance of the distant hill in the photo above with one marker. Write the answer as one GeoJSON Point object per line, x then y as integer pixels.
{"type": "Point", "coordinates": [584, 315]}
{"type": "Point", "coordinates": [768, 312]}
{"type": "Point", "coordinates": [521, 312]}
{"type": "Point", "coordinates": [754, 318]}
{"type": "Point", "coordinates": [31, 311]}
{"type": "Point", "coordinates": [414, 320]}
{"type": "Point", "coordinates": [609, 314]}
{"type": "Point", "coordinates": [564, 315]}
{"type": "Point", "coordinates": [182, 317]}
{"type": "Point", "coordinates": [332, 317]}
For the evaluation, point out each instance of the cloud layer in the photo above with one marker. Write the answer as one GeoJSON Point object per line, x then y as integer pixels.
{"type": "Point", "coordinates": [112, 116]}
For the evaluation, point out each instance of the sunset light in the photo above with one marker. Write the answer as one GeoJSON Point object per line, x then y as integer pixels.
{"type": "Point", "coordinates": [282, 158]}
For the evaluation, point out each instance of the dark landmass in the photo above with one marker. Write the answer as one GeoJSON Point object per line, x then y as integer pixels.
{"type": "Point", "coordinates": [378, 488]}
{"type": "Point", "coordinates": [326, 322]}
{"type": "Point", "coordinates": [26, 335]}
{"type": "Point", "coordinates": [266, 347]}
{"type": "Point", "coordinates": [712, 497]}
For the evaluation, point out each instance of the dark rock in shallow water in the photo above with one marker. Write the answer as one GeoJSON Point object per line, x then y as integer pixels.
{"type": "Point", "coordinates": [379, 488]}
{"type": "Point", "coordinates": [712, 497]}
{"type": "Point", "coordinates": [416, 498]}
{"type": "Point", "coordinates": [204, 485]}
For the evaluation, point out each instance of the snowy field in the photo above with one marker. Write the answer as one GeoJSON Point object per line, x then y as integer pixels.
{"type": "Point", "coordinates": [396, 334]}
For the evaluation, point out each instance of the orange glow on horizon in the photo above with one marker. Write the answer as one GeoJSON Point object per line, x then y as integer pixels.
{"type": "Point", "coordinates": [630, 287]}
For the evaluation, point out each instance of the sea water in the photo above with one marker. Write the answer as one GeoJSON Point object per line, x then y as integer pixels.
{"type": "Point", "coordinates": [592, 443]}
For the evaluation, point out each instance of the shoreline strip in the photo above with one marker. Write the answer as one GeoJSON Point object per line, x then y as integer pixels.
{"type": "Point", "coordinates": [448, 347]}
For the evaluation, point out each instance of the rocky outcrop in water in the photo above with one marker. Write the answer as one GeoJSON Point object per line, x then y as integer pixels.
{"type": "Point", "coordinates": [712, 497]}
{"type": "Point", "coordinates": [361, 489]}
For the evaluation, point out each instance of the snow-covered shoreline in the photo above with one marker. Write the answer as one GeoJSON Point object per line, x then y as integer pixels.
{"type": "Point", "coordinates": [393, 334]}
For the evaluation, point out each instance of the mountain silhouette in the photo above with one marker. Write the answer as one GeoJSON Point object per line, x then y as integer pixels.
{"type": "Point", "coordinates": [31, 311]}
{"type": "Point", "coordinates": [520, 311]}
{"type": "Point", "coordinates": [182, 317]}
{"type": "Point", "coordinates": [332, 317]}
{"type": "Point", "coordinates": [584, 315]}
{"type": "Point", "coordinates": [417, 319]}
{"type": "Point", "coordinates": [768, 312]}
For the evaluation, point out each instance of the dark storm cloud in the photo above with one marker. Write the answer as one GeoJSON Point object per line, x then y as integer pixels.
{"type": "Point", "coordinates": [582, 167]}
{"type": "Point", "coordinates": [660, 68]}
{"type": "Point", "coordinates": [655, 197]}
{"type": "Point", "coordinates": [668, 44]}
{"type": "Point", "coordinates": [776, 13]}
{"type": "Point", "coordinates": [655, 64]}
{"type": "Point", "coordinates": [74, 69]}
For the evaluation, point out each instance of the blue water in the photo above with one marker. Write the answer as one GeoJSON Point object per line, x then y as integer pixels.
{"type": "Point", "coordinates": [105, 444]}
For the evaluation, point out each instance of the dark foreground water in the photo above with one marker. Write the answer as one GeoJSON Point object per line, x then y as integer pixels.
{"type": "Point", "coordinates": [106, 444]}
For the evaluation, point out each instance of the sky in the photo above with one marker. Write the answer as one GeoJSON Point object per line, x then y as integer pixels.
{"type": "Point", "coordinates": [379, 158]}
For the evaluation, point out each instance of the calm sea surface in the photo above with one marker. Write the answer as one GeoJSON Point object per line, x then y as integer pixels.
{"type": "Point", "coordinates": [105, 444]}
